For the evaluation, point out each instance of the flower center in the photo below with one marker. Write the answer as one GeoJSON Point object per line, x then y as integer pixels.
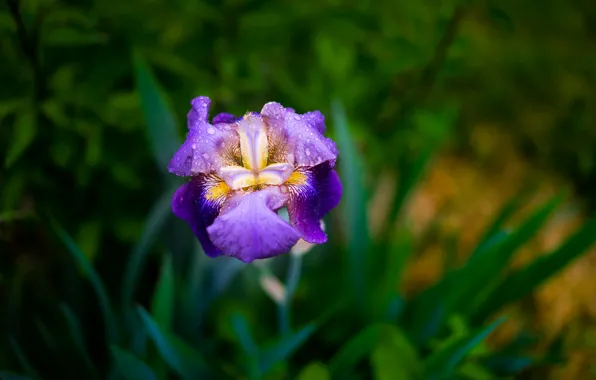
{"type": "Point", "coordinates": [254, 150]}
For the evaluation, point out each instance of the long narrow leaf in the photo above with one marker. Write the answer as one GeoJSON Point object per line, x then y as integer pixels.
{"type": "Point", "coordinates": [504, 214]}
{"type": "Point", "coordinates": [354, 202]}
{"type": "Point", "coordinates": [395, 358]}
{"type": "Point", "coordinates": [77, 335]}
{"type": "Point", "coordinates": [161, 121]}
{"type": "Point", "coordinates": [23, 361]}
{"type": "Point", "coordinates": [162, 306]}
{"type": "Point", "coordinates": [155, 221]}
{"type": "Point", "coordinates": [525, 280]}
{"type": "Point", "coordinates": [96, 283]}
{"type": "Point", "coordinates": [282, 349]}
{"type": "Point", "coordinates": [130, 366]}
{"type": "Point", "coordinates": [444, 361]}
{"type": "Point", "coordinates": [242, 331]}
{"type": "Point", "coordinates": [484, 272]}
{"type": "Point", "coordinates": [410, 174]}
{"type": "Point", "coordinates": [462, 289]}
{"type": "Point", "coordinates": [184, 360]}
{"type": "Point", "coordinates": [365, 342]}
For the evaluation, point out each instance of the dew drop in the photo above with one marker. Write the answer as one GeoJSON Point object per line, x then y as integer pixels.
{"type": "Point", "coordinates": [211, 130]}
{"type": "Point", "coordinates": [205, 155]}
{"type": "Point", "coordinates": [296, 117]}
{"type": "Point", "coordinates": [194, 146]}
{"type": "Point", "coordinates": [307, 152]}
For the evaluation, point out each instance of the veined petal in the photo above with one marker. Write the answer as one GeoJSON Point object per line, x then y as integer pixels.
{"type": "Point", "coordinates": [253, 142]}
{"type": "Point", "coordinates": [313, 193]}
{"type": "Point", "coordinates": [238, 177]}
{"type": "Point", "coordinates": [248, 227]}
{"type": "Point", "coordinates": [275, 174]}
{"type": "Point", "coordinates": [198, 202]}
{"type": "Point", "coordinates": [207, 146]}
{"type": "Point", "coordinates": [297, 139]}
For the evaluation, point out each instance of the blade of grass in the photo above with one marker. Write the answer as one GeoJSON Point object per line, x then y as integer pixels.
{"type": "Point", "coordinates": [162, 305]}
{"type": "Point", "coordinates": [81, 259]}
{"type": "Point", "coordinates": [395, 358]}
{"type": "Point", "coordinates": [159, 117]}
{"type": "Point", "coordinates": [76, 333]}
{"type": "Point", "coordinates": [130, 366]}
{"type": "Point", "coordinates": [23, 361]}
{"type": "Point", "coordinates": [155, 221]}
{"type": "Point", "coordinates": [184, 360]}
{"type": "Point", "coordinates": [505, 213]}
{"type": "Point", "coordinates": [460, 289]}
{"type": "Point", "coordinates": [443, 362]}
{"type": "Point", "coordinates": [366, 341]}
{"type": "Point", "coordinates": [354, 203]}
{"type": "Point", "coordinates": [523, 281]}
{"type": "Point", "coordinates": [250, 348]}
{"type": "Point", "coordinates": [282, 349]}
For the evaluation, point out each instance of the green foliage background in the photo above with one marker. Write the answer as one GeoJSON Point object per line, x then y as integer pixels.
{"type": "Point", "coordinates": [93, 103]}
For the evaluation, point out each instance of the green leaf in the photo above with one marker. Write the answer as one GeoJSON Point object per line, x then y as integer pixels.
{"type": "Point", "coordinates": [314, 371]}
{"type": "Point", "coordinates": [66, 36]}
{"type": "Point", "coordinates": [394, 358]}
{"type": "Point", "coordinates": [284, 348]}
{"type": "Point", "coordinates": [366, 341]}
{"type": "Point", "coordinates": [81, 259]}
{"type": "Point", "coordinates": [76, 333]}
{"type": "Point", "coordinates": [130, 366]}
{"type": "Point", "coordinates": [155, 221]}
{"type": "Point", "coordinates": [354, 202]}
{"type": "Point", "coordinates": [23, 134]}
{"type": "Point", "coordinates": [162, 306]}
{"type": "Point", "coordinates": [505, 213]}
{"type": "Point", "coordinates": [159, 117]}
{"type": "Point", "coordinates": [525, 280]}
{"type": "Point", "coordinates": [183, 359]}
{"type": "Point", "coordinates": [398, 254]}
{"type": "Point", "coordinates": [444, 361]}
{"type": "Point", "coordinates": [242, 331]}
{"type": "Point", "coordinates": [23, 361]}
{"type": "Point", "coordinates": [410, 175]}
{"type": "Point", "coordinates": [4, 375]}
{"type": "Point", "coordinates": [492, 263]}
{"type": "Point", "coordinates": [462, 289]}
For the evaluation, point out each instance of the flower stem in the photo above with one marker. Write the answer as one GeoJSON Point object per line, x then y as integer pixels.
{"type": "Point", "coordinates": [294, 271]}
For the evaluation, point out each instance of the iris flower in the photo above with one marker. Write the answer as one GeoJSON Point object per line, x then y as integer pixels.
{"type": "Point", "coordinates": [244, 169]}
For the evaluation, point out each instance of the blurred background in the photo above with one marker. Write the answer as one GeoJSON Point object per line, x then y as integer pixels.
{"type": "Point", "coordinates": [467, 154]}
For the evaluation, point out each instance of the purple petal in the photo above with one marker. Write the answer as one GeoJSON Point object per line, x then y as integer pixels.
{"type": "Point", "coordinates": [207, 147]}
{"type": "Point", "coordinates": [298, 139]}
{"type": "Point", "coordinates": [319, 193]}
{"type": "Point", "coordinates": [225, 118]}
{"type": "Point", "coordinates": [248, 227]}
{"type": "Point", "coordinates": [194, 203]}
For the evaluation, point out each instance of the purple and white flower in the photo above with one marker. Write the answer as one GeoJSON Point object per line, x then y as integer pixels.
{"type": "Point", "coordinates": [243, 170]}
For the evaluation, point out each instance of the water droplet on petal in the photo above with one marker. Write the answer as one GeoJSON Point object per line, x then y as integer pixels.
{"type": "Point", "coordinates": [307, 152]}
{"type": "Point", "coordinates": [296, 117]}
{"type": "Point", "coordinates": [205, 155]}
{"type": "Point", "coordinates": [194, 146]}
{"type": "Point", "coordinates": [211, 130]}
